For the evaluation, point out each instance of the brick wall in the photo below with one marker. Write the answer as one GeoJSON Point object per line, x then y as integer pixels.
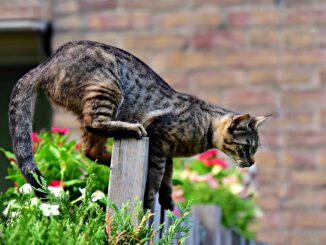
{"type": "Point", "coordinates": [257, 56]}
{"type": "Point", "coordinates": [25, 9]}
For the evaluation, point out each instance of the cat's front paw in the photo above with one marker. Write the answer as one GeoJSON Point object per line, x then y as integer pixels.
{"type": "Point", "coordinates": [166, 202]}
{"type": "Point", "coordinates": [139, 130]}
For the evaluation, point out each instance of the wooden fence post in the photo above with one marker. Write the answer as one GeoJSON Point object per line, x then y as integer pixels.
{"type": "Point", "coordinates": [128, 174]}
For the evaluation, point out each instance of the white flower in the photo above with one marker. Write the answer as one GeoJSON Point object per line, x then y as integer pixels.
{"type": "Point", "coordinates": [236, 188]}
{"type": "Point", "coordinates": [50, 209]}
{"type": "Point", "coordinates": [13, 214]}
{"type": "Point", "coordinates": [57, 191]}
{"type": "Point", "coordinates": [6, 211]}
{"type": "Point", "coordinates": [34, 201]}
{"type": "Point", "coordinates": [97, 195]}
{"type": "Point", "coordinates": [26, 189]}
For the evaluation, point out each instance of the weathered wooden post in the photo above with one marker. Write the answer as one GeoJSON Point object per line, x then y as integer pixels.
{"type": "Point", "coordinates": [128, 174]}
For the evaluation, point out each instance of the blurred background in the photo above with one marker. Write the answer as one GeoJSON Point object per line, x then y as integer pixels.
{"type": "Point", "coordinates": [256, 56]}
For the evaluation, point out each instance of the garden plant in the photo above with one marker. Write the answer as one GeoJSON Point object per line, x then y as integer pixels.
{"type": "Point", "coordinates": [75, 209]}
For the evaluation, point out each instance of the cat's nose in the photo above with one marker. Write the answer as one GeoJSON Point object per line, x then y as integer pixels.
{"type": "Point", "coordinates": [251, 160]}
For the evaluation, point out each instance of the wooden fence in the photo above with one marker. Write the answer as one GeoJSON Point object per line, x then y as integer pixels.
{"type": "Point", "coordinates": [128, 179]}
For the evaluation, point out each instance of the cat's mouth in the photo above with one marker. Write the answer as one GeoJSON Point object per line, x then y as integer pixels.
{"type": "Point", "coordinates": [244, 164]}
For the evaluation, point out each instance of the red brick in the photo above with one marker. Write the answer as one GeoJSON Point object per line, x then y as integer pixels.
{"type": "Point", "coordinates": [255, 17]}
{"type": "Point", "coordinates": [65, 7]}
{"type": "Point", "coordinates": [299, 159]}
{"type": "Point", "coordinates": [185, 61]}
{"type": "Point", "coordinates": [310, 219]}
{"type": "Point", "coordinates": [308, 58]}
{"type": "Point", "coordinates": [246, 98]}
{"type": "Point", "coordinates": [304, 39]}
{"type": "Point", "coordinates": [216, 2]}
{"type": "Point", "coordinates": [307, 16]}
{"type": "Point", "coordinates": [277, 219]}
{"type": "Point", "coordinates": [274, 237]}
{"type": "Point", "coordinates": [177, 80]}
{"type": "Point", "coordinates": [262, 77]}
{"type": "Point", "coordinates": [251, 59]}
{"type": "Point", "coordinates": [308, 178]}
{"type": "Point", "coordinates": [267, 176]}
{"type": "Point", "coordinates": [296, 78]}
{"type": "Point", "coordinates": [152, 5]}
{"type": "Point", "coordinates": [269, 139]}
{"type": "Point", "coordinates": [214, 80]}
{"type": "Point", "coordinates": [20, 11]}
{"type": "Point", "coordinates": [305, 238]}
{"type": "Point", "coordinates": [151, 41]}
{"type": "Point", "coordinates": [306, 139]}
{"type": "Point", "coordinates": [86, 5]}
{"type": "Point", "coordinates": [266, 159]}
{"type": "Point", "coordinates": [219, 40]}
{"type": "Point", "coordinates": [208, 17]}
{"type": "Point", "coordinates": [264, 38]}
{"type": "Point", "coordinates": [322, 158]}
{"type": "Point", "coordinates": [269, 203]}
{"type": "Point", "coordinates": [300, 100]}
{"type": "Point", "coordinates": [116, 20]}
{"type": "Point", "coordinates": [107, 38]}
{"type": "Point", "coordinates": [291, 122]}
{"type": "Point", "coordinates": [69, 22]}
{"type": "Point", "coordinates": [304, 200]}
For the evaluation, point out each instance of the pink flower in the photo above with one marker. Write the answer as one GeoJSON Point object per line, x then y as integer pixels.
{"type": "Point", "coordinates": [177, 195]}
{"type": "Point", "coordinates": [209, 158]}
{"type": "Point", "coordinates": [216, 161]}
{"type": "Point", "coordinates": [176, 212]}
{"type": "Point", "coordinates": [77, 146]}
{"type": "Point", "coordinates": [60, 130]}
{"type": "Point", "coordinates": [207, 154]}
{"type": "Point", "coordinates": [35, 138]}
{"type": "Point", "coordinates": [56, 183]}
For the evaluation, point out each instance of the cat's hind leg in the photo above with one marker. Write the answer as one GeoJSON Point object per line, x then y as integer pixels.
{"type": "Point", "coordinates": [101, 102]}
{"type": "Point", "coordinates": [94, 147]}
{"type": "Point", "coordinates": [156, 166]}
{"type": "Point", "coordinates": [165, 192]}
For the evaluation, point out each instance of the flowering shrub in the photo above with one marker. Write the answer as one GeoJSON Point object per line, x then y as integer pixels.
{"type": "Point", "coordinates": [74, 212]}
{"type": "Point", "coordinates": [207, 179]}
{"type": "Point", "coordinates": [203, 179]}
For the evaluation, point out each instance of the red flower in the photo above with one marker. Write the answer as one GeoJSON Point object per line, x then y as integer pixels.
{"type": "Point", "coordinates": [55, 183]}
{"type": "Point", "coordinates": [209, 158]}
{"type": "Point", "coordinates": [208, 154]}
{"type": "Point", "coordinates": [216, 161]}
{"type": "Point", "coordinates": [35, 138]}
{"type": "Point", "coordinates": [11, 159]}
{"type": "Point", "coordinates": [60, 130]}
{"type": "Point", "coordinates": [77, 146]}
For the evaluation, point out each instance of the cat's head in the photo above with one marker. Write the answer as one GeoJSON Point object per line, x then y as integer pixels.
{"type": "Point", "coordinates": [237, 136]}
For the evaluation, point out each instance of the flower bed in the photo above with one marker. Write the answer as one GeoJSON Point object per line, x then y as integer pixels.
{"type": "Point", "coordinates": [75, 210]}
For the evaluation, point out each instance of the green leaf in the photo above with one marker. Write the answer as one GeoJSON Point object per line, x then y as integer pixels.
{"type": "Point", "coordinates": [54, 152]}
{"type": "Point", "coordinates": [8, 154]}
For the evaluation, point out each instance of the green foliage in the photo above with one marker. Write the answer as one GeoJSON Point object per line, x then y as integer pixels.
{"type": "Point", "coordinates": [208, 181]}
{"type": "Point", "coordinates": [26, 222]}
{"type": "Point", "coordinates": [201, 180]}
{"type": "Point", "coordinates": [74, 211]}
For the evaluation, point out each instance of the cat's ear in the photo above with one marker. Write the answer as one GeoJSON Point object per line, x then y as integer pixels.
{"type": "Point", "coordinates": [259, 120]}
{"type": "Point", "coordinates": [239, 120]}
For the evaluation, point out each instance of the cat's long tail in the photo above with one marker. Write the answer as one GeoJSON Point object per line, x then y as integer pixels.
{"type": "Point", "coordinates": [20, 124]}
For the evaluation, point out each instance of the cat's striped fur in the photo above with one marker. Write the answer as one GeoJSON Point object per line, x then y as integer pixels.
{"type": "Point", "coordinates": [114, 94]}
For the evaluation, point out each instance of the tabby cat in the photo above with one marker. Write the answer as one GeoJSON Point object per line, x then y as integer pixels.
{"type": "Point", "coordinates": [114, 94]}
